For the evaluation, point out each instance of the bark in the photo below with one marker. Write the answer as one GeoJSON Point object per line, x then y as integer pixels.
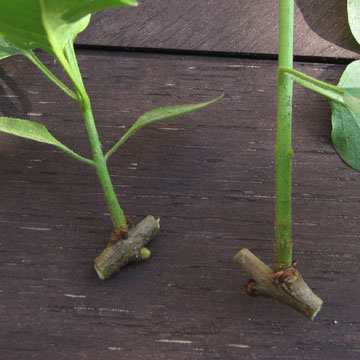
{"type": "Point", "coordinates": [124, 251]}
{"type": "Point", "coordinates": [286, 286]}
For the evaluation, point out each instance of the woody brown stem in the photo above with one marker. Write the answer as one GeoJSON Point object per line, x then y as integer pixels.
{"type": "Point", "coordinates": [287, 287]}
{"type": "Point", "coordinates": [123, 251]}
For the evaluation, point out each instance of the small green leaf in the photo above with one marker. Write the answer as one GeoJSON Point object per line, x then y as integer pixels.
{"type": "Point", "coordinates": [7, 49]}
{"type": "Point", "coordinates": [165, 113]}
{"type": "Point", "coordinates": [346, 119]}
{"type": "Point", "coordinates": [353, 8]}
{"type": "Point", "coordinates": [49, 24]}
{"type": "Point", "coordinates": [35, 131]}
{"type": "Point", "coordinates": [160, 114]}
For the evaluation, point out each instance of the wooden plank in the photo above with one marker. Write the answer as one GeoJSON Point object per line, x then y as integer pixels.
{"type": "Point", "coordinates": [209, 176]}
{"type": "Point", "coordinates": [239, 26]}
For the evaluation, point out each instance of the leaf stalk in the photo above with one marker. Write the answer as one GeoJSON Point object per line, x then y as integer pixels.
{"type": "Point", "coordinates": [36, 61]}
{"type": "Point", "coordinates": [331, 92]}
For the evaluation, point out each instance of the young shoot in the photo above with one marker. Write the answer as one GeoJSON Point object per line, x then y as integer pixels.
{"type": "Point", "coordinates": [52, 26]}
{"type": "Point", "coordinates": [284, 282]}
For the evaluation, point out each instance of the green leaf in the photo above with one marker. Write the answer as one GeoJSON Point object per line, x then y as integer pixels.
{"type": "Point", "coordinates": [7, 49]}
{"type": "Point", "coordinates": [346, 119]}
{"type": "Point", "coordinates": [353, 8]}
{"type": "Point", "coordinates": [352, 99]}
{"type": "Point", "coordinates": [49, 24]}
{"type": "Point", "coordinates": [35, 131]}
{"type": "Point", "coordinates": [159, 114]}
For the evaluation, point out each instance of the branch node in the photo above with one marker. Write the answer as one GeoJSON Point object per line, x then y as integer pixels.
{"type": "Point", "coordinates": [121, 251]}
{"type": "Point", "coordinates": [284, 285]}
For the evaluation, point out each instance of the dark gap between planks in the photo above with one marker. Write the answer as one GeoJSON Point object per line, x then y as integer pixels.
{"type": "Point", "coordinates": [216, 54]}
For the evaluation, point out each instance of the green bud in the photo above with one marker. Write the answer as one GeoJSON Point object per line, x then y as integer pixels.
{"type": "Point", "coordinates": [145, 253]}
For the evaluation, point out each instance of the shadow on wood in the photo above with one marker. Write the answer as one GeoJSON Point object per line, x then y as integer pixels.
{"type": "Point", "coordinates": [329, 20]}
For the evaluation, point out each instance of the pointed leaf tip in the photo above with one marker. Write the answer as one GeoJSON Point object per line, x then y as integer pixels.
{"type": "Point", "coordinates": [131, 3]}
{"type": "Point", "coordinates": [160, 114]}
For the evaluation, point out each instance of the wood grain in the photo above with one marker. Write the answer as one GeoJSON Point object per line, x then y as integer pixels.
{"type": "Point", "coordinates": [239, 26]}
{"type": "Point", "coordinates": [209, 176]}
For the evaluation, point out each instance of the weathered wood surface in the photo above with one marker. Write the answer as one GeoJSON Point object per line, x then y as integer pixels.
{"type": "Point", "coordinates": [209, 176]}
{"type": "Point", "coordinates": [240, 26]}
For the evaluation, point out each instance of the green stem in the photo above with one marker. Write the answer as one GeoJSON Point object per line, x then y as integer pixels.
{"type": "Point", "coordinates": [283, 149]}
{"type": "Point", "coordinates": [71, 67]}
{"type": "Point", "coordinates": [37, 62]}
{"type": "Point", "coordinates": [116, 213]}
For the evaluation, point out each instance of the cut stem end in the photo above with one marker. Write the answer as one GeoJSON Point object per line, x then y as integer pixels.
{"type": "Point", "coordinates": [287, 287]}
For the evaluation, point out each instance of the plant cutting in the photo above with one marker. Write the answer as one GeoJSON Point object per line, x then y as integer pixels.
{"type": "Point", "coordinates": [283, 282]}
{"type": "Point", "coordinates": [52, 26]}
